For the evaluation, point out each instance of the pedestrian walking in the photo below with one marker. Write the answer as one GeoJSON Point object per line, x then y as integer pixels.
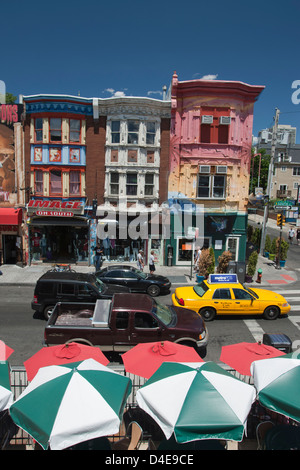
{"type": "Point", "coordinates": [98, 257]}
{"type": "Point", "coordinates": [140, 261]}
{"type": "Point", "coordinates": [151, 263]}
{"type": "Point", "coordinates": [298, 236]}
{"type": "Point", "coordinates": [291, 235]}
{"type": "Point", "coordinates": [196, 258]}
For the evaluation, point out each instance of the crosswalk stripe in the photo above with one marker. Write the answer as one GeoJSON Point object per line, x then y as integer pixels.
{"type": "Point", "coordinates": [254, 328]}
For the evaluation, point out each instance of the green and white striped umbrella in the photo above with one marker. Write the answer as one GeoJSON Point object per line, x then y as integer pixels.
{"type": "Point", "coordinates": [6, 396]}
{"type": "Point", "coordinates": [72, 403]}
{"type": "Point", "coordinates": [197, 403]}
{"type": "Point", "coordinates": [277, 383]}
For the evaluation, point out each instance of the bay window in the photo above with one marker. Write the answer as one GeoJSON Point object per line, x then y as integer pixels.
{"type": "Point", "coordinates": [38, 182]}
{"type": "Point", "coordinates": [55, 182]}
{"type": "Point", "coordinates": [55, 129]}
{"type": "Point", "coordinates": [74, 183]}
{"type": "Point", "coordinates": [75, 125]}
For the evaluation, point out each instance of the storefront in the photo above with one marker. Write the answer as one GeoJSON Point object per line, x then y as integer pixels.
{"type": "Point", "coordinates": [58, 231]}
{"type": "Point", "coordinates": [122, 235]}
{"type": "Point", "coordinates": [221, 232]}
{"type": "Point", "coordinates": [11, 240]}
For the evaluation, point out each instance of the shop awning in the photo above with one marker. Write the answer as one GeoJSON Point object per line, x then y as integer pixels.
{"type": "Point", "coordinates": [10, 216]}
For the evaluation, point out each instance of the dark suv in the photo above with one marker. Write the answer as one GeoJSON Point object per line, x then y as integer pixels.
{"type": "Point", "coordinates": [55, 287]}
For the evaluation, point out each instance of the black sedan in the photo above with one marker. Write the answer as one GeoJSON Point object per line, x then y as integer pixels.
{"type": "Point", "coordinates": [136, 280]}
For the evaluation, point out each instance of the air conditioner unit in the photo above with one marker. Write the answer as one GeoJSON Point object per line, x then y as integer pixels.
{"type": "Point", "coordinates": [204, 169]}
{"type": "Point", "coordinates": [225, 120]}
{"type": "Point", "coordinates": [207, 119]}
{"type": "Point", "coordinates": [222, 169]}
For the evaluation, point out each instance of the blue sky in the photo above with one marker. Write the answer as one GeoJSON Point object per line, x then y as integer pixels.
{"type": "Point", "coordinates": [99, 48]}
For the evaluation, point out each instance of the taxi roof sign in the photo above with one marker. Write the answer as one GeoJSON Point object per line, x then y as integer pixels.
{"type": "Point", "coordinates": [223, 279]}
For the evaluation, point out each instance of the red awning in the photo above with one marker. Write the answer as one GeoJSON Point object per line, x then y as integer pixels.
{"type": "Point", "coordinates": [10, 216]}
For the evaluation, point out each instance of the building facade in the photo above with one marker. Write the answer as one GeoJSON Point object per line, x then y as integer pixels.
{"type": "Point", "coordinates": [135, 176]}
{"type": "Point", "coordinates": [210, 152]}
{"type": "Point", "coordinates": [56, 130]}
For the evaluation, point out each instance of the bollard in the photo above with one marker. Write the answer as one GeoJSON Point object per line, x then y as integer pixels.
{"type": "Point", "coordinates": [259, 276]}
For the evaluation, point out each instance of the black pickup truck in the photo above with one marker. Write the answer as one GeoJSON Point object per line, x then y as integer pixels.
{"type": "Point", "coordinates": [126, 320]}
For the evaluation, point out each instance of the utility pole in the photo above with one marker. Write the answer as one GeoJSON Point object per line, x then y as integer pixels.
{"type": "Point", "coordinates": [270, 174]}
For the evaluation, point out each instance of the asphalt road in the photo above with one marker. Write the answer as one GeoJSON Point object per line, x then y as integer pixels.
{"type": "Point", "coordinates": [22, 330]}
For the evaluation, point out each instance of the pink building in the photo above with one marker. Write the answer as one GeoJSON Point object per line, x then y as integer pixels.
{"type": "Point", "coordinates": [210, 153]}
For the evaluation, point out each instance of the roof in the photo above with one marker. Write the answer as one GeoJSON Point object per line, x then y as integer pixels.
{"type": "Point", "coordinates": [142, 302]}
{"type": "Point", "coordinates": [67, 276]}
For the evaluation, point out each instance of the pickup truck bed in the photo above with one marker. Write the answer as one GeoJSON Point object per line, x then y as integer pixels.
{"type": "Point", "coordinates": [119, 324]}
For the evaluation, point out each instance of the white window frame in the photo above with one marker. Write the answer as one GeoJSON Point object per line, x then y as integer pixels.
{"type": "Point", "coordinates": [237, 246]}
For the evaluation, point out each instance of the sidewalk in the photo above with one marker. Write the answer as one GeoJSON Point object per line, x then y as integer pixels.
{"type": "Point", "coordinates": [178, 275]}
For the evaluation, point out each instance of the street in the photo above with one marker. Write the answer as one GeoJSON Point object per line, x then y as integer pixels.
{"type": "Point", "coordinates": [22, 330]}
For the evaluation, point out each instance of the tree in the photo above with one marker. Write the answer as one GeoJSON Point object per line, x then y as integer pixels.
{"type": "Point", "coordinates": [264, 161]}
{"type": "Point", "coordinates": [10, 99]}
{"type": "Point", "coordinates": [223, 261]}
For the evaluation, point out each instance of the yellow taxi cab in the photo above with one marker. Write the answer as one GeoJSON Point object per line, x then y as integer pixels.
{"type": "Point", "coordinates": [222, 294]}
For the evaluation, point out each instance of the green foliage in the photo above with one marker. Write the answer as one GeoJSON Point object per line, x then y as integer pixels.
{"type": "Point", "coordinates": [256, 237]}
{"type": "Point", "coordinates": [211, 267]}
{"type": "Point", "coordinates": [252, 262]}
{"type": "Point", "coordinates": [273, 249]}
{"type": "Point", "coordinates": [249, 232]}
{"type": "Point", "coordinates": [264, 170]}
{"type": "Point", "coordinates": [268, 243]}
{"type": "Point", "coordinates": [10, 99]}
{"type": "Point", "coordinates": [284, 248]}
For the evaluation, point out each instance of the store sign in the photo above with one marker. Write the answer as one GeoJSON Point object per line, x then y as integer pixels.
{"type": "Point", "coordinates": [8, 228]}
{"type": "Point", "coordinates": [10, 113]}
{"type": "Point", "coordinates": [54, 214]}
{"type": "Point", "coordinates": [49, 207]}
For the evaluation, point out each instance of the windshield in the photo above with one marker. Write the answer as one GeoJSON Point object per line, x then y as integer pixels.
{"type": "Point", "coordinates": [251, 292]}
{"type": "Point", "coordinates": [162, 312]}
{"type": "Point", "coordinates": [141, 274]}
{"type": "Point", "coordinates": [100, 285]}
{"type": "Point", "coordinates": [200, 289]}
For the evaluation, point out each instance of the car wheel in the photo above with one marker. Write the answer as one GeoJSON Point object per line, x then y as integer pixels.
{"type": "Point", "coordinates": [271, 313]}
{"type": "Point", "coordinates": [207, 313]}
{"type": "Point", "coordinates": [48, 311]}
{"type": "Point", "coordinates": [153, 290]}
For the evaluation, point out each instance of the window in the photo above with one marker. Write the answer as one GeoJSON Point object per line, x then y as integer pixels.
{"type": "Point", "coordinates": [115, 132]}
{"type": "Point", "coordinates": [149, 184]}
{"type": "Point", "coordinates": [296, 171]}
{"type": "Point", "coordinates": [215, 123]}
{"type": "Point", "coordinates": [218, 186]}
{"type": "Point", "coordinates": [241, 294]}
{"type": "Point", "coordinates": [55, 182]}
{"type": "Point", "coordinates": [55, 129]}
{"type": "Point", "coordinates": [38, 182]}
{"type": "Point", "coordinates": [232, 246]}
{"type": "Point", "coordinates": [133, 132]}
{"type": "Point", "coordinates": [222, 294]}
{"type": "Point", "coordinates": [75, 125]}
{"type": "Point", "coordinates": [203, 186]}
{"type": "Point", "coordinates": [144, 320]}
{"type": "Point", "coordinates": [211, 186]}
{"type": "Point", "coordinates": [114, 183]}
{"type": "Point", "coordinates": [150, 133]}
{"type": "Point", "coordinates": [131, 184]}
{"type": "Point", "coordinates": [38, 130]}
{"type": "Point", "coordinates": [68, 289]}
{"type": "Point", "coordinates": [122, 320]}
{"type": "Point", "coordinates": [74, 184]}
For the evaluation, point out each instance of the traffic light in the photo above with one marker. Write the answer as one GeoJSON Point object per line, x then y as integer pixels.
{"type": "Point", "coordinates": [279, 220]}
